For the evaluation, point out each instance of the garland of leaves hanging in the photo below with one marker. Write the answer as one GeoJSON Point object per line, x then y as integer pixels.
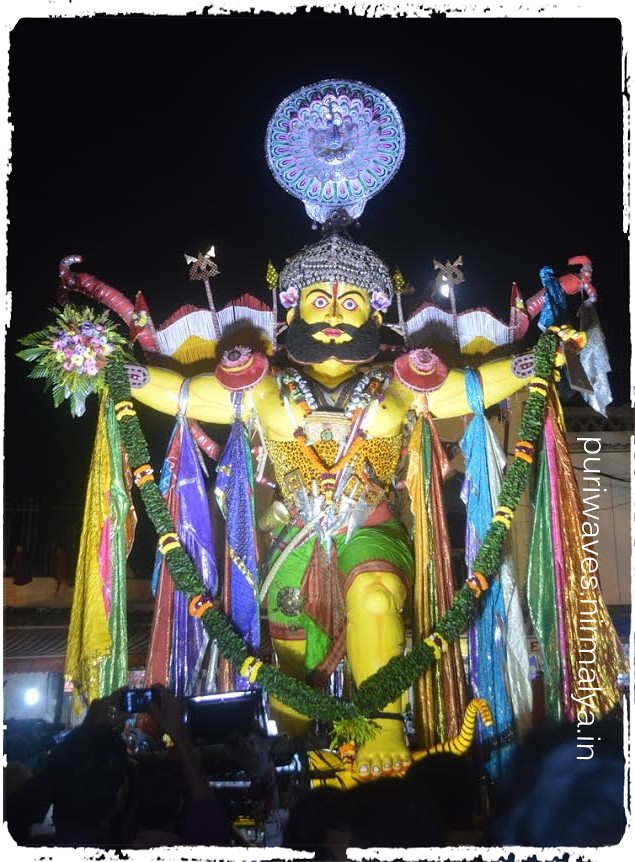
{"type": "Point", "coordinates": [400, 672]}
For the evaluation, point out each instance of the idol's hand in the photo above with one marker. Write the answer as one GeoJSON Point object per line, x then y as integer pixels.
{"type": "Point", "coordinates": [567, 334]}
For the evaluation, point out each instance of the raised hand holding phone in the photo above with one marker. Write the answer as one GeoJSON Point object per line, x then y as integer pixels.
{"type": "Point", "coordinates": [108, 710]}
{"type": "Point", "coordinates": [167, 710]}
{"type": "Point", "coordinates": [135, 700]}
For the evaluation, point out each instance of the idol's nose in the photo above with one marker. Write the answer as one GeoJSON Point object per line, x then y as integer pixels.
{"type": "Point", "coordinates": [334, 314]}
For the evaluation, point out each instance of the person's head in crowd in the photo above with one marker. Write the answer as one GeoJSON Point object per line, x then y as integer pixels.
{"type": "Point", "coordinates": [29, 740]}
{"type": "Point", "coordinates": [319, 822]}
{"type": "Point", "coordinates": [450, 783]}
{"type": "Point", "coordinates": [89, 778]}
{"type": "Point", "coordinates": [15, 776]}
{"type": "Point", "coordinates": [387, 813]}
{"type": "Point", "coordinates": [161, 789]}
{"type": "Point", "coordinates": [26, 799]}
{"type": "Point", "coordinates": [556, 795]}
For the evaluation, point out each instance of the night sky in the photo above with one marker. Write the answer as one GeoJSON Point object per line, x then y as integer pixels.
{"type": "Point", "coordinates": [139, 139]}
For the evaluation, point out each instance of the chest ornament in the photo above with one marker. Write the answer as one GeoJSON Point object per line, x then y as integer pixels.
{"type": "Point", "coordinates": [345, 427]}
{"type": "Point", "coordinates": [325, 425]}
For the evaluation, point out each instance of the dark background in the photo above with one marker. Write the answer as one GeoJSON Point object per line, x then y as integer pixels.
{"type": "Point", "coordinates": [137, 139]}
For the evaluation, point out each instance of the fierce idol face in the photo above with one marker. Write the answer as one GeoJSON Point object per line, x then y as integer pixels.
{"type": "Point", "coordinates": [334, 320]}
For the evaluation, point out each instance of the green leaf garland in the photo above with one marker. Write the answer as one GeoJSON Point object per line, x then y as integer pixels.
{"type": "Point", "coordinates": [400, 672]}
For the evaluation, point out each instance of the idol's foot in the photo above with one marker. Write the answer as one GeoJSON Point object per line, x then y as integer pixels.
{"type": "Point", "coordinates": [387, 752]}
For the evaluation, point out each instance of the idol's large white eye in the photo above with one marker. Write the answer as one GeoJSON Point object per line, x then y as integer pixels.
{"type": "Point", "coordinates": [320, 302]}
{"type": "Point", "coordinates": [349, 304]}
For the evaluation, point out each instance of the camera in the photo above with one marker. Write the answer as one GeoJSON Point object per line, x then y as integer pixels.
{"type": "Point", "coordinates": [139, 700]}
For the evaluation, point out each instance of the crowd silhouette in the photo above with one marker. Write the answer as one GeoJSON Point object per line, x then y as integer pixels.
{"type": "Point", "coordinates": [97, 786]}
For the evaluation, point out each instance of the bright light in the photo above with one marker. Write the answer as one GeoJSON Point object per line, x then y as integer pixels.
{"type": "Point", "coordinates": [444, 290]}
{"type": "Point", "coordinates": [31, 696]}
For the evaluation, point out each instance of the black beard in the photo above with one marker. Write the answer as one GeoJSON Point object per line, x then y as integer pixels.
{"type": "Point", "coordinates": [305, 350]}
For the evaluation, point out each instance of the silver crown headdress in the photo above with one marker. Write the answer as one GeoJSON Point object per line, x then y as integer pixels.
{"type": "Point", "coordinates": [336, 258]}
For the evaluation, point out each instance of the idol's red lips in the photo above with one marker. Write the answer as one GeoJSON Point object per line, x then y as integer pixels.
{"type": "Point", "coordinates": [332, 333]}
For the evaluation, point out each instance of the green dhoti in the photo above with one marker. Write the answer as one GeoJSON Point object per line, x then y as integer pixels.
{"type": "Point", "coordinates": [306, 600]}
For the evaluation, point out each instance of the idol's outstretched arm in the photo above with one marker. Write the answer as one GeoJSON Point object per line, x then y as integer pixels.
{"type": "Point", "coordinates": [499, 379]}
{"type": "Point", "coordinates": [162, 389]}
{"type": "Point", "coordinates": [421, 373]}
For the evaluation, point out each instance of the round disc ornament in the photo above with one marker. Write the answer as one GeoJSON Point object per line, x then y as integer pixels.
{"type": "Point", "coordinates": [334, 145]}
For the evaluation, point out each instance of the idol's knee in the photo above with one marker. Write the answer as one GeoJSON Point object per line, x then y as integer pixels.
{"type": "Point", "coordinates": [378, 600]}
{"type": "Point", "coordinates": [369, 595]}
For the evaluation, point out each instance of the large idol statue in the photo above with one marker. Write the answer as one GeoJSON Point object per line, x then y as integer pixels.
{"type": "Point", "coordinates": [357, 564]}
{"type": "Point", "coordinates": [332, 424]}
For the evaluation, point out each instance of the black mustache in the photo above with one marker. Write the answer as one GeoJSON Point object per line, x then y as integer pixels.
{"type": "Point", "coordinates": [306, 350]}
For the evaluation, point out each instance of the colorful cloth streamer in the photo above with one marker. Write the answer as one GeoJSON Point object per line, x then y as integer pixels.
{"type": "Point", "coordinates": [97, 649]}
{"type": "Point", "coordinates": [559, 565]}
{"type": "Point", "coordinates": [540, 584]}
{"type": "Point", "coordinates": [183, 488]}
{"type": "Point", "coordinates": [554, 309]}
{"type": "Point", "coordinates": [581, 651]}
{"type": "Point", "coordinates": [160, 646]}
{"type": "Point", "coordinates": [114, 672]}
{"type": "Point", "coordinates": [235, 495]}
{"type": "Point", "coordinates": [498, 660]}
{"type": "Point", "coordinates": [440, 694]}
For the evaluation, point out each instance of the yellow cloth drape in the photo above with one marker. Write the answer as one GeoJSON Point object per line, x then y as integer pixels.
{"type": "Point", "coordinates": [89, 640]}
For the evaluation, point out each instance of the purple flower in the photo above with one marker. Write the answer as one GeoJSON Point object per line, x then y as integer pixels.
{"type": "Point", "coordinates": [379, 300]}
{"type": "Point", "coordinates": [289, 298]}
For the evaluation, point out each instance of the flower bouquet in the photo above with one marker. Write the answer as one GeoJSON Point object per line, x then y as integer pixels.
{"type": "Point", "coordinates": [70, 355]}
